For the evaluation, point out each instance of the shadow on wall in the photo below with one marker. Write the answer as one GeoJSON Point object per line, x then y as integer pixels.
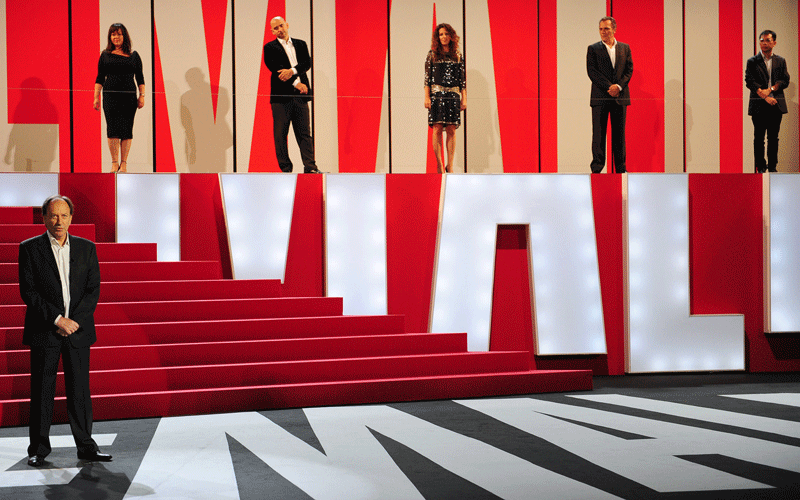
{"type": "Point", "coordinates": [34, 134]}
{"type": "Point", "coordinates": [482, 147]}
{"type": "Point", "coordinates": [648, 121]}
{"type": "Point", "coordinates": [788, 145]}
{"type": "Point", "coordinates": [207, 138]}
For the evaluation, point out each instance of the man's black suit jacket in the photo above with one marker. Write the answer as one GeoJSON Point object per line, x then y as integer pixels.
{"type": "Point", "coordinates": [276, 59]}
{"type": "Point", "coordinates": [40, 288]}
{"type": "Point", "coordinates": [756, 77]}
{"type": "Point", "coordinates": [603, 74]}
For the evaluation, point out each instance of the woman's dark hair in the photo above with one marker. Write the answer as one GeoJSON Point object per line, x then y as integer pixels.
{"type": "Point", "coordinates": [438, 48]}
{"type": "Point", "coordinates": [126, 39]}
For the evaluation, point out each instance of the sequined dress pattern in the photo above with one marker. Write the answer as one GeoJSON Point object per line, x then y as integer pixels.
{"type": "Point", "coordinates": [446, 78]}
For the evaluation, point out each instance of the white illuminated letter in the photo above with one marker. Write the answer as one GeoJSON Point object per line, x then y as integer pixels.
{"type": "Point", "coordinates": [662, 335]}
{"type": "Point", "coordinates": [149, 211]}
{"type": "Point", "coordinates": [783, 265]}
{"type": "Point", "coordinates": [567, 305]}
{"type": "Point", "coordinates": [27, 189]}
{"type": "Point", "coordinates": [355, 226]}
{"type": "Point", "coordinates": [258, 215]}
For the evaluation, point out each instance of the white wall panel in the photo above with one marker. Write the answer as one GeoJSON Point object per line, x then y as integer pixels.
{"type": "Point", "coordinates": [250, 22]}
{"type": "Point", "coordinates": [200, 143]}
{"type": "Point", "coordinates": [411, 24]}
{"type": "Point", "coordinates": [702, 85]}
{"type": "Point", "coordinates": [326, 126]}
{"type": "Point", "coordinates": [484, 151]}
{"type": "Point", "coordinates": [138, 21]}
{"type": "Point", "coordinates": [781, 17]}
{"type": "Point", "coordinates": [673, 89]}
{"type": "Point", "coordinates": [749, 48]}
{"type": "Point", "coordinates": [577, 28]}
{"type": "Point", "coordinates": [298, 16]}
{"type": "Point", "coordinates": [25, 146]}
{"type": "Point", "coordinates": [382, 160]}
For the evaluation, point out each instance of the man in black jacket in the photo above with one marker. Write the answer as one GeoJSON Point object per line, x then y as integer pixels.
{"type": "Point", "coordinates": [289, 61]}
{"type": "Point", "coordinates": [766, 77]}
{"type": "Point", "coordinates": [59, 280]}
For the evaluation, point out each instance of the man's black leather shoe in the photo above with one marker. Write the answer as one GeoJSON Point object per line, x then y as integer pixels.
{"type": "Point", "coordinates": [35, 461]}
{"type": "Point", "coordinates": [95, 457]}
{"type": "Point", "coordinates": [315, 171]}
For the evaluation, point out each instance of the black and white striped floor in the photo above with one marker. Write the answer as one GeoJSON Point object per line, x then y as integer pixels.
{"type": "Point", "coordinates": [721, 436]}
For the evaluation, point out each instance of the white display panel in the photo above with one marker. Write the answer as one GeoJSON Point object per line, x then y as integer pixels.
{"type": "Point", "coordinates": [355, 241]}
{"type": "Point", "coordinates": [138, 21]}
{"type": "Point", "coordinates": [149, 211]}
{"type": "Point", "coordinates": [662, 335]}
{"type": "Point", "coordinates": [784, 265]}
{"type": "Point", "coordinates": [258, 215]}
{"type": "Point", "coordinates": [27, 189]}
{"type": "Point", "coordinates": [568, 314]}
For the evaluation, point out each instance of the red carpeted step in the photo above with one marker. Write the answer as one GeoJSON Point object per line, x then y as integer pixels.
{"type": "Point", "coordinates": [191, 310]}
{"type": "Point", "coordinates": [9, 273]}
{"type": "Point", "coordinates": [252, 351]}
{"type": "Point", "coordinates": [233, 330]}
{"type": "Point", "coordinates": [16, 233]}
{"type": "Point", "coordinates": [132, 291]}
{"type": "Point", "coordinates": [155, 271]}
{"type": "Point", "coordinates": [140, 271]}
{"type": "Point", "coordinates": [20, 215]}
{"type": "Point", "coordinates": [9, 295]}
{"type": "Point", "coordinates": [11, 338]}
{"type": "Point", "coordinates": [106, 252]}
{"type": "Point", "coordinates": [198, 377]}
{"type": "Point", "coordinates": [9, 253]}
{"type": "Point", "coordinates": [192, 402]}
{"type": "Point", "coordinates": [127, 252]}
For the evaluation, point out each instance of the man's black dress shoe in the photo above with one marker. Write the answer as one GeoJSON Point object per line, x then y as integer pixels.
{"type": "Point", "coordinates": [35, 461]}
{"type": "Point", "coordinates": [315, 171]}
{"type": "Point", "coordinates": [95, 457]}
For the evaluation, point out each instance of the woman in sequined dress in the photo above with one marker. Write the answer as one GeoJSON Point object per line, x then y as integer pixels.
{"type": "Point", "coordinates": [445, 91]}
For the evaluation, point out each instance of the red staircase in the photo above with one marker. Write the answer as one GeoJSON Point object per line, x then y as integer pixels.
{"type": "Point", "coordinates": [174, 338]}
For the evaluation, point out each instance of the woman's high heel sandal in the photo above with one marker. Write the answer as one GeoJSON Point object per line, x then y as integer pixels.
{"type": "Point", "coordinates": [114, 167]}
{"type": "Point", "coordinates": [123, 166]}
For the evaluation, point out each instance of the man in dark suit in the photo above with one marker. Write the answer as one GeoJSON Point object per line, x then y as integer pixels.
{"type": "Point", "coordinates": [610, 67]}
{"type": "Point", "coordinates": [766, 77]}
{"type": "Point", "coordinates": [289, 61]}
{"type": "Point", "coordinates": [59, 280]}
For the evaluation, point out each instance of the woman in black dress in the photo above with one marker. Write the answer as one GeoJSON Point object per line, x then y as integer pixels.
{"type": "Point", "coordinates": [116, 71]}
{"type": "Point", "coordinates": [445, 91]}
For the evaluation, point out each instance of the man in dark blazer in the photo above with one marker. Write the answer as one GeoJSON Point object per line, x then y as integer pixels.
{"type": "Point", "coordinates": [610, 67]}
{"type": "Point", "coordinates": [766, 77]}
{"type": "Point", "coordinates": [59, 280]}
{"type": "Point", "coordinates": [289, 61]}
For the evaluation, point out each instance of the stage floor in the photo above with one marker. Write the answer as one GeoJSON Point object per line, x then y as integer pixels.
{"type": "Point", "coordinates": [678, 436]}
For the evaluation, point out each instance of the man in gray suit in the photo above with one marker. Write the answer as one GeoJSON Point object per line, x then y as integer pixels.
{"type": "Point", "coordinates": [610, 67]}
{"type": "Point", "coordinates": [766, 77]}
